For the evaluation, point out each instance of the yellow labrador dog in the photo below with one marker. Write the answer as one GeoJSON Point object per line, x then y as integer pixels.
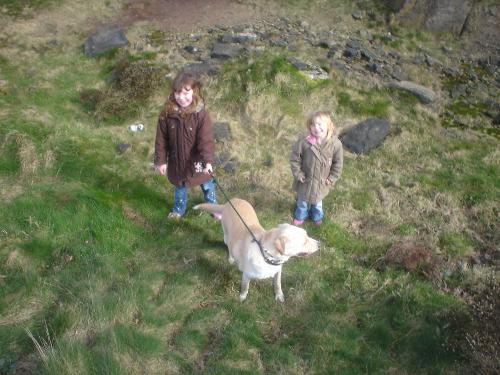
{"type": "Point", "coordinates": [265, 258]}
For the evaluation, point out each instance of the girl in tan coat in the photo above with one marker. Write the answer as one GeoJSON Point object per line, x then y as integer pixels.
{"type": "Point", "coordinates": [316, 161]}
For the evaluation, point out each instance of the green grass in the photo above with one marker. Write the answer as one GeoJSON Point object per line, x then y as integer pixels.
{"type": "Point", "coordinates": [271, 75]}
{"type": "Point", "coordinates": [16, 7]}
{"type": "Point", "coordinates": [90, 266]}
{"type": "Point", "coordinates": [371, 103]}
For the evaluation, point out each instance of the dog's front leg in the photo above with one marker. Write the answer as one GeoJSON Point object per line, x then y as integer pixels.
{"type": "Point", "coordinates": [278, 293]}
{"type": "Point", "coordinates": [245, 282]}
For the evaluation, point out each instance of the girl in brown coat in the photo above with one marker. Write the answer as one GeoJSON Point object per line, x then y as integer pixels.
{"type": "Point", "coordinates": [184, 146]}
{"type": "Point", "coordinates": [316, 161]}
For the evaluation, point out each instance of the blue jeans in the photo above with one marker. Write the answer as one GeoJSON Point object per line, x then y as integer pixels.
{"type": "Point", "coordinates": [180, 196]}
{"type": "Point", "coordinates": [303, 210]}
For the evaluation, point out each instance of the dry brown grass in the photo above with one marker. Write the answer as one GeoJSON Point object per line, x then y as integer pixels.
{"type": "Point", "coordinates": [17, 259]}
{"type": "Point", "coordinates": [32, 162]}
{"type": "Point", "coordinates": [26, 152]}
{"type": "Point", "coordinates": [65, 22]}
{"type": "Point", "coordinates": [9, 189]}
{"type": "Point", "coordinates": [22, 310]}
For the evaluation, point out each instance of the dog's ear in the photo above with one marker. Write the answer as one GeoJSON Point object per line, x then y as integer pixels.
{"type": "Point", "coordinates": [280, 244]}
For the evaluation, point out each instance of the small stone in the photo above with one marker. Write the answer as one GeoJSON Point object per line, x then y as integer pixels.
{"type": "Point", "coordinates": [192, 49]}
{"type": "Point", "coordinates": [226, 50]}
{"type": "Point", "coordinates": [123, 147]}
{"type": "Point", "coordinates": [424, 94]}
{"type": "Point", "coordinates": [221, 131]}
{"type": "Point", "coordinates": [357, 15]}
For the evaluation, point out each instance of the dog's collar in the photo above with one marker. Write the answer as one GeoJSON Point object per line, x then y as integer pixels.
{"type": "Point", "coordinates": [268, 258]}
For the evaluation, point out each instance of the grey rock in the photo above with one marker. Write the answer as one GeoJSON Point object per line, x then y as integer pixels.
{"type": "Point", "coordinates": [226, 50]}
{"type": "Point", "coordinates": [192, 49]}
{"type": "Point", "coordinates": [279, 42]}
{"type": "Point", "coordinates": [431, 61]}
{"type": "Point", "coordinates": [375, 68]}
{"type": "Point", "coordinates": [451, 71]}
{"type": "Point", "coordinates": [231, 166]}
{"type": "Point", "coordinates": [357, 15]}
{"type": "Point", "coordinates": [354, 44]}
{"type": "Point", "coordinates": [436, 15]}
{"type": "Point", "coordinates": [123, 147]}
{"type": "Point", "coordinates": [203, 68]}
{"type": "Point", "coordinates": [366, 135]}
{"type": "Point", "coordinates": [222, 159]}
{"type": "Point", "coordinates": [447, 49]}
{"type": "Point", "coordinates": [448, 15]}
{"type": "Point", "coordinates": [424, 94]}
{"type": "Point", "coordinates": [221, 131]}
{"type": "Point", "coordinates": [398, 74]}
{"type": "Point", "coordinates": [366, 35]}
{"type": "Point", "coordinates": [334, 52]}
{"type": "Point", "coordinates": [458, 91]}
{"type": "Point", "coordinates": [495, 117]}
{"type": "Point", "coordinates": [339, 66]}
{"type": "Point", "coordinates": [368, 56]}
{"type": "Point", "coordinates": [225, 161]}
{"type": "Point", "coordinates": [109, 38]}
{"type": "Point", "coordinates": [239, 37]}
{"type": "Point", "coordinates": [417, 60]}
{"type": "Point", "coordinates": [352, 49]}
{"type": "Point", "coordinates": [351, 53]}
{"type": "Point", "coordinates": [316, 73]}
{"type": "Point", "coordinates": [326, 43]}
{"type": "Point", "coordinates": [299, 64]}
{"type": "Point", "coordinates": [312, 71]}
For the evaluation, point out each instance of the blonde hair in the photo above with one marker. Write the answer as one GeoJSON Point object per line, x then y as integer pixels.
{"type": "Point", "coordinates": [323, 116]}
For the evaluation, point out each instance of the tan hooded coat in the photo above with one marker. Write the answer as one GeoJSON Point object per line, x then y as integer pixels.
{"type": "Point", "coordinates": [315, 163]}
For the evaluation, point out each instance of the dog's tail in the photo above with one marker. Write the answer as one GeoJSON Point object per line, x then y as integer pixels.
{"type": "Point", "coordinates": [210, 207]}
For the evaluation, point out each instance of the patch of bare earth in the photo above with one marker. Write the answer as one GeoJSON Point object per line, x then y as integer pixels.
{"type": "Point", "coordinates": [190, 15]}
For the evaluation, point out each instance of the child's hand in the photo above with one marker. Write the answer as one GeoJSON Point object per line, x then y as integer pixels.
{"type": "Point", "coordinates": [162, 169]}
{"type": "Point", "coordinates": [208, 168]}
{"type": "Point", "coordinates": [302, 179]}
{"type": "Point", "coordinates": [329, 181]}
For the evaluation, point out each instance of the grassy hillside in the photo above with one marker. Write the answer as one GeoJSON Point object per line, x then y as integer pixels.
{"type": "Point", "coordinates": [95, 280]}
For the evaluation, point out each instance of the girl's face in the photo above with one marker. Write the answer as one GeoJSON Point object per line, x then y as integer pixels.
{"type": "Point", "coordinates": [184, 97]}
{"type": "Point", "coordinates": [319, 128]}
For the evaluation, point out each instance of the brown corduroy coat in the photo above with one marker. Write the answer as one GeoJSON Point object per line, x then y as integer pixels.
{"type": "Point", "coordinates": [183, 139]}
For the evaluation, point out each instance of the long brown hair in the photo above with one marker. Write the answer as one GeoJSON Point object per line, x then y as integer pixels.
{"type": "Point", "coordinates": [184, 79]}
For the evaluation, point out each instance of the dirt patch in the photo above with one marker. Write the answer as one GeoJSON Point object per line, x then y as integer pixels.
{"type": "Point", "coordinates": [414, 256]}
{"type": "Point", "coordinates": [190, 15]}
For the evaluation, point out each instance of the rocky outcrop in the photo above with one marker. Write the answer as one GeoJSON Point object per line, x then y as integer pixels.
{"type": "Point", "coordinates": [109, 38]}
{"type": "Point", "coordinates": [436, 15]}
{"type": "Point", "coordinates": [476, 21]}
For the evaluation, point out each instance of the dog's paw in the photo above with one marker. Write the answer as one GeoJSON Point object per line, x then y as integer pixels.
{"type": "Point", "coordinates": [230, 259]}
{"type": "Point", "coordinates": [243, 296]}
{"type": "Point", "coordinates": [280, 298]}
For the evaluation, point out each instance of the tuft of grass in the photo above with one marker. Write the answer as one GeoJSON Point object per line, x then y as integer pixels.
{"type": "Point", "coordinates": [456, 244]}
{"type": "Point", "coordinates": [133, 81]}
{"type": "Point", "coordinates": [370, 103]}
{"type": "Point", "coordinates": [17, 7]}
